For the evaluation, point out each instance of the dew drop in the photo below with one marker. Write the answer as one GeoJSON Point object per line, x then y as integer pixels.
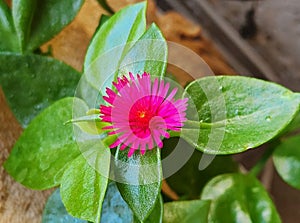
{"type": "Point", "coordinates": [268, 118]}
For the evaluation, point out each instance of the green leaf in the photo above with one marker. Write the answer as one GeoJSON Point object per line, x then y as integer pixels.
{"type": "Point", "coordinates": [82, 186]}
{"type": "Point", "coordinates": [50, 18]}
{"type": "Point", "coordinates": [105, 6]}
{"type": "Point", "coordinates": [8, 38]}
{"type": "Point", "coordinates": [139, 178]}
{"type": "Point", "coordinates": [148, 54]}
{"type": "Point", "coordinates": [125, 26]}
{"type": "Point", "coordinates": [186, 211]}
{"type": "Point", "coordinates": [113, 40]}
{"type": "Point", "coordinates": [32, 82]}
{"type": "Point", "coordinates": [55, 211]}
{"type": "Point", "coordinates": [236, 113]}
{"type": "Point", "coordinates": [116, 210]}
{"type": "Point", "coordinates": [189, 180]}
{"type": "Point", "coordinates": [239, 198]}
{"type": "Point", "coordinates": [287, 161]}
{"type": "Point", "coordinates": [46, 147]}
{"type": "Point", "coordinates": [23, 12]}
{"type": "Point", "coordinates": [157, 212]}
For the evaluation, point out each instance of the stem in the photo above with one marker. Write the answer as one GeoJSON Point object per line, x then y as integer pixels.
{"type": "Point", "coordinates": [265, 157]}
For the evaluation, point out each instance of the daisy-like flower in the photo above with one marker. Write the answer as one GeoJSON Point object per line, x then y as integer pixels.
{"type": "Point", "coordinates": [141, 112]}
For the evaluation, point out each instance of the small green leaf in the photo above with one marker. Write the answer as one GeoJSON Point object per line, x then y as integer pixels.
{"type": "Point", "coordinates": [287, 161]}
{"type": "Point", "coordinates": [189, 180]}
{"type": "Point", "coordinates": [148, 54]}
{"type": "Point", "coordinates": [33, 82]}
{"type": "Point", "coordinates": [46, 147]}
{"type": "Point", "coordinates": [55, 211]}
{"type": "Point", "coordinates": [186, 211]}
{"type": "Point", "coordinates": [8, 38]}
{"type": "Point", "coordinates": [125, 26]}
{"type": "Point", "coordinates": [139, 180]}
{"type": "Point", "coordinates": [50, 18]}
{"type": "Point", "coordinates": [82, 187]}
{"type": "Point", "coordinates": [23, 12]}
{"type": "Point", "coordinates": [236, 113]}
{"type": "Point", "coordinates": [239, 198]}
{"type": "Point", "coordinates": [113, 40]}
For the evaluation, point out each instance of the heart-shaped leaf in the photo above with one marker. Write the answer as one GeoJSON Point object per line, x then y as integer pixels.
{"type": "Point", "coordinates": [46, 147]}
{"type": "Point", "coordinates": [186, 211]}
{"type": "Point", "coordinates": [82, 186]}
{"type": "Point", "coordinates": [139, 178]}
{"type": "Point", "coordinates": [125, 26]}
{"type": "Point", "coordinates": [287, 161]}
{"type": "Point", "coordinates": [33, 82]}
{"type": "Point", "coordinates": [49, 18]}
{"type": "Point", "coordinates": [113, 39]}
{"type": "Point", "coordinates": [239, 198]}
{"type": "Point", "coordinates": [148, 54]}
{"type": "Point", "coordinates": [236, 113]}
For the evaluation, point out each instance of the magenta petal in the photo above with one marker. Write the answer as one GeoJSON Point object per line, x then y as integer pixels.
{"type": "Point", "coordinates": [142, 112]}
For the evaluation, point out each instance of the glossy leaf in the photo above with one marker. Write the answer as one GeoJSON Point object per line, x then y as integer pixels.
{"type": "Point", "coordinates": [83, 188]}
{"type": "Point", "coordinates": [157, 212]}
{"type": "Point", "coordinates": [294, 126]}
{"type": "Point", "coordinates": [32, 83]}
{"type": "Point", "coordinates": [149, 54]}
{"type": "Point", "coordinates": [186, 211]}
{"type": "Point", "coordinates": [139, 180]}
{"type": "Point", "coordinates": [287, 161]}
{"type": "Point", "coordinates": [46, 147]}
{"type": "Point", "coordinates": [189, 180]}
{"type": "Point", "coordinates": [236, 113]}
{"type": "Point", "coordinates": [116, 210]}
{"type": "Point", "coordinates": [55, 211]}
{"type": "Point", "coordinates": [23, 12]}
{"type": "Point", "coordinates": [113, 40]}
{"type": "Point", "coordinates": [50, 18]}
{"type": "Point", "coordinates": [125, 26]}
{"type": "Point", "coordinates": [8, 37]}
{"type": "Point", "coordinates": [239, 198]}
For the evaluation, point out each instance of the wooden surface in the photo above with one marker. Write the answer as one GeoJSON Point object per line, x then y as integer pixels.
{"type": "Point", "coordinates": [21, 205]}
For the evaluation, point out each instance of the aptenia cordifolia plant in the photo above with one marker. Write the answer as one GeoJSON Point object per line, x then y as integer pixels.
{"type": "Point", "coordinates": [128, 127]}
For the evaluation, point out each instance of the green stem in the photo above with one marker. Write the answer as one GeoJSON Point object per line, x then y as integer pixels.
{"type": "Point", "coordinates": [265, 157]}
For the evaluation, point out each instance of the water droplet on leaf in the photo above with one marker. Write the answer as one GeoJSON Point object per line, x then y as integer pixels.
{"type": "Point", "coordinates": [268, 118]}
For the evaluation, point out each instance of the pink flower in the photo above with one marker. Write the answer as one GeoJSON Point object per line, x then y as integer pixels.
{"type": "Point", "coordinates": [142, 112]}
